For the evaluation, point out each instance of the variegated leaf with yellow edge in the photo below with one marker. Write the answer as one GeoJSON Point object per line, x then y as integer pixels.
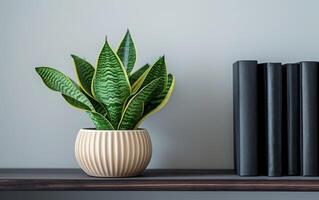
{"type": "Point", "coordinates": [159, 102]}
{"type": "Point", "coordinates": [110, 84]}
{"type": "Point", "coordinates": [137, 74]}
{"type": "Point", "coordinates": [127, 53]}
{"type": "Point", "coordinates": [135, 106]}
{"type": "Point", "coordinates": [158, 70]}
{"type": "Point", "coordinates": [85, 72]}
{"type": "Point", "coordinates": [59, 82]}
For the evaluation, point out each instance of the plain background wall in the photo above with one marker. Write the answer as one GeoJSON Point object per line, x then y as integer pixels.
{"type": "Point", "coordinates": [200, 39]}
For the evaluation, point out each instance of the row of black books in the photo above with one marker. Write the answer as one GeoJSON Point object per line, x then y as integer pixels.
{"type": "Point", "coordinates": [276, 118]}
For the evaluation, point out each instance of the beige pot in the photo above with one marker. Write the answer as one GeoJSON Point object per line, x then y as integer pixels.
{"type": "Point", "coordinates": [113, 153]}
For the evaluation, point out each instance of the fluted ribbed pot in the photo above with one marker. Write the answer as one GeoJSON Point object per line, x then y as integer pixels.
{"type": "Point", "coordinates": [114, 153]}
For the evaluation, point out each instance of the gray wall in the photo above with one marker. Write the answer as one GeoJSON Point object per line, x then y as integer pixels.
{"type": "Point", "coordinates": [201, 40]}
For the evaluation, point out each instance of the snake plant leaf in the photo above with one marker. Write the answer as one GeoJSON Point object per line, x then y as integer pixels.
{"type": "Point", "coordinates": [97, 105]}
{"type": "Point", "coordinates": [130, 118]}
{"type": "Point", "coordinates": [138, 83]}
{"type": "Point", "coordinates": [159, 102]}
{"type": "Point", "coordinates": [134, 107]}
{"type": "Point", "coordinates": [57, 81]}
{"type": "Point", "coordinates": [110, 84]}
{"type": "Point", "coordinates": [74, 103]}
{"type": "Point", "coordinates": [170, 86]}
{"type": "Point", "coordinates": [100, 108]}
{"type": "Point", "coordinates": [85, 72]}
{"type": "Point", "coordinates": [136, 75]}
{"type": "Point", "coordinates": [100, 122]}
{"type": "Point", "coordinates": [127, 52]}
{"type": "Point", "coordinates": [158, 70]}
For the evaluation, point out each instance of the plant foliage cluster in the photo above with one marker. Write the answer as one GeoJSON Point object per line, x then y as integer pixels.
{"type": "Point", "coordinates": [114, 97]}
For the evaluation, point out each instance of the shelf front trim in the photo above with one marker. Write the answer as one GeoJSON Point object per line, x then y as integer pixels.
{"type": "Point", "coordinates": [151, 180]}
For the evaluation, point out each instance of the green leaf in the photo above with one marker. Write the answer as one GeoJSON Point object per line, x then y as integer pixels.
{"type": "Point", "coordinates": [158, 70]}
{"type": "Point", "coordinates": [159, 102]}
{"type": "Point", "coordinates": [138, 83]}
{"type": "Point", "coordinates": [75, 103]}
{"type": "Point", "coordinates": [98, 119]}
{"type": "Point", "coordinates": [100, 122]}
{"type": "Point", "coordinates": [100, 108]}
{"type": "Point", "coordinates": [170, 86]}
{"type": "Point", "coordinates": [136, 75]}
{"type": "Point", "coordinates": [127, 52]}
{"type": "Point", "coordinates": [57, 81]}
{"type": "Point", "coordinates": [110, 84]}
{"type": "Point", "coordinates": [134, 108]}
{"type": "Point", "coordinates": [85, 73]}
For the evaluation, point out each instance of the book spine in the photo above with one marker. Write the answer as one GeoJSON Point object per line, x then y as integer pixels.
{"type": "Point", "coordinates": [262, 119]}
{"type": "Point", "coordinates": [236, 116]}
{"type": "Point", "coordinates": [292, 122]}
{"type": "Point", "coordinates": [246, 117]}
{"type": "Point", "coordinates": [309, 126]}
{"type": "Point", "coordinates": [284, 122]}
{"type": "Point", "coordinates": [273, 111]}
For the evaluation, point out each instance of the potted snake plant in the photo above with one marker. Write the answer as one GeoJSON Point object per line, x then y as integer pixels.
{"type": "Point", "coordinates": [117, 100]}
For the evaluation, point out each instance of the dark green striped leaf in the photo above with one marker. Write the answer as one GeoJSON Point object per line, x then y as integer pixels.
{"type": "Point", "coordinates": [57, 81]}
{"type": "Point", "coordinates": [138, 83]}
{"type": "Point", "coordinates": [127, 52]}
{"type": "Point", "coordinates": [159, 102]}
{"type": "Point", "coordinates": [136, 75]}
{"type": "Point", "coordinates": [170, 85]}
{"type": "Point", "coordinates": [134, 108]}
{"type": "Point", "coordinates": [100, 108]}
{"type": "Point", "coordinates": [75, 103]}
{"type": "Point", "coordinates": [158, 70]}
{"type": "Point", "coordinates": [85, 72]}
{"type": "Point", "coordinates": [110, 83]}
{"type": "Point", "coordinates": [100, 122]}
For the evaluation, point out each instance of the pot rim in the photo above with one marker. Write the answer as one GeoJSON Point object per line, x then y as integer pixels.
{"type": "Point", "coordinates": [94, 129]}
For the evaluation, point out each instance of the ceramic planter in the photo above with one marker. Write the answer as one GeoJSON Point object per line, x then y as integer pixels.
{"type": "Point", "coordinates": [113, 153]}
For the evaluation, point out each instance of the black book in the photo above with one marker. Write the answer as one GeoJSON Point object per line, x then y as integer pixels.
{"type": "Point", "coordinates": [284, 122]}
{"type": "Point", "coordinates": [309, 126]}
{"type": "Point", "coordinates": [292, 119]}
{"type": "Point", "coordinates": [245, 105]}
{"type": "Point", "coordinates": [272, 93]}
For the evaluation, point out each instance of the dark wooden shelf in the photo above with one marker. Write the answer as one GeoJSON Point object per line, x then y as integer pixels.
{"type": "Point", "coordinates": [150, 180]}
